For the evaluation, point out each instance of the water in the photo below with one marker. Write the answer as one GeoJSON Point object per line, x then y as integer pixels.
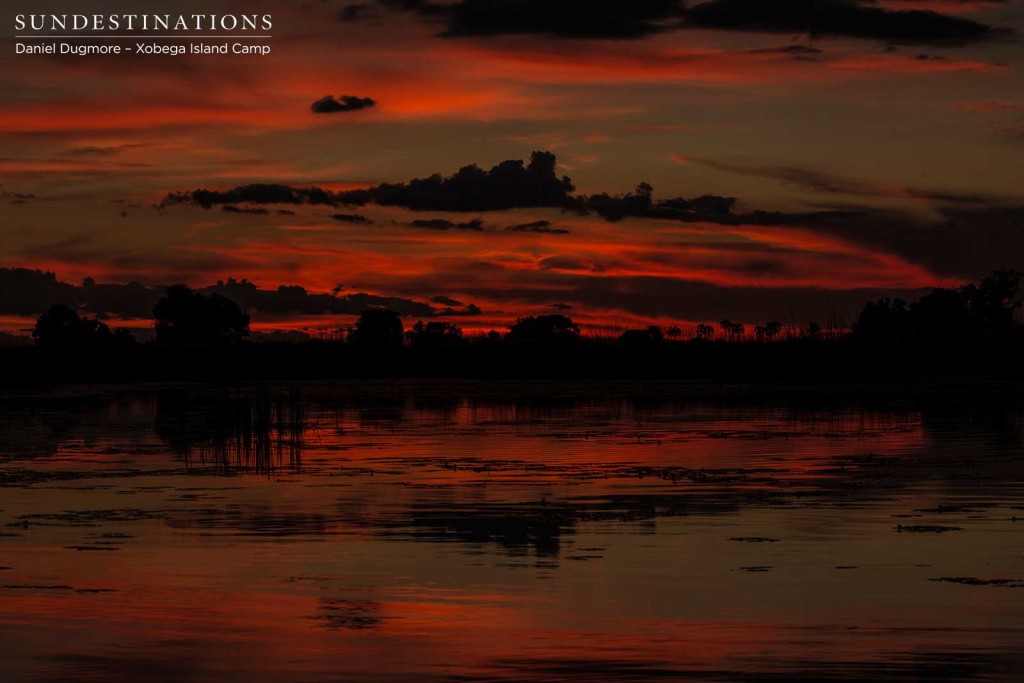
{"type": "Point", "coordinates": [465, 532]}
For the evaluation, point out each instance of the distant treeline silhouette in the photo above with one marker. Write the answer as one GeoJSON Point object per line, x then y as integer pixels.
{"type": "Point", "coordinates": [970, 329]}
{"type": "Point", "coordinates": [983, 311]}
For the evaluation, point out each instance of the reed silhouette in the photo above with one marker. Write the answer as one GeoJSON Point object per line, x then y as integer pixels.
{"type": "Point", "coordinates": [251, 429]}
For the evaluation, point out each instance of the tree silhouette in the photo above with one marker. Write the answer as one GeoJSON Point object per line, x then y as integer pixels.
{"type": "Point", "coordinates": [768, 332]}
{"type": "Point", "coordinates": [705, 333]}
{"type": "Point", "coordinates": [544, 329]}
{"type": "Point", "coordinates": [883, 320]}
{"type": "Point", "coordinates": [187, 318]}
{"type": "Point", "coordinates": [994, 301]}
{"type": "Point", "coordinates": [734, 331]}
{"type": "Point", "coordinates": [62, 328]}
{"type": "Point", "coordinates": [434, 335]}
{"type": "Point", "coordinates": [976, 311]}
{"type": "Point", "coordinates": [378, 327]}
{"type": "Point", "coordinates": [943, 314]}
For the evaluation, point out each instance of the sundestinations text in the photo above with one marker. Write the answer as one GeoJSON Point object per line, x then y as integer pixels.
{"type": "Point", "coordinates": [143, 22]}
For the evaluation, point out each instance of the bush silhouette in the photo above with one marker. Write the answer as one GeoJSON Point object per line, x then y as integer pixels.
{"type": "Point", "coordinates": [187, 318]}
{"type": "Point", "coordinates": [652, 336]}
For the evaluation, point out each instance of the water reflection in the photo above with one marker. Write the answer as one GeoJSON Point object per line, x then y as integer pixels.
{"type": "Point", "coordinates": [255, 429]}
{"type": "Point", "coordinates": [474, 533]}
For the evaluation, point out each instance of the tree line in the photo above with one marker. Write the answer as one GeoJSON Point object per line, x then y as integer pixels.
{"type": "Point", "coordinates": [985, 311]}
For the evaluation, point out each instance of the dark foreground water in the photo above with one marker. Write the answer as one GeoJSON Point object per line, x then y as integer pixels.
{"type": "Point", "coordinates": [512, 533]}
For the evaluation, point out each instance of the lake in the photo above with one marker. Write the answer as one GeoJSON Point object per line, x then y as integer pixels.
{"type": "Point", "coordinates": [447, 531]}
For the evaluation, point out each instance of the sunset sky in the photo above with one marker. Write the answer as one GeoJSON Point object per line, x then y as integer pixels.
{"type": "Point", "coordinates": [888, 136]}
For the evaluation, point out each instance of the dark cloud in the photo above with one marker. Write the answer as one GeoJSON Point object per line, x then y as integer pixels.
{"type": "Point", "coordinates": [444, 224]}
{"type": "Point", "coordinates": [799, 52]}
{"type": "Point", "coordinates": [538, 226]}
{"type": "Point", "coordinates": [470, 310]}
{"type": "Point", "coordinates": [356, 12]}
{"type": "Point", "coordinates": [562, 263]}
{"type": "Point", "coordinates": [563, 19]}
{"type": "Point", "coordinates": [30, 292]}
{"type": "Point", "coordinates": [290, 300]}
{"type": "Point", "coordinates": [851, 18]}
{"type": "Point", "coordinates": [26, 292]}
{"type": "Point", "coordinates": [641, 204]}
{"type": "Point", "coordinates": [256, 211]}
{"type": "Point", "coordinates": [328, 105]}
{"type": "Point", "coordinates": [808, 179]}
{"type": "Point", "coordinates": [826, 182]}
{"type": "Point", "coordinates": [586, 19]}
{"type": "Point", "coordinates": [95, 150]}
{"type": "Point", "coordinates": [508, 185]}
{"type": "Point", "coordinates": [258, 193]}
{"type": "Point", "coordinates": [764, 267]}
{"type": "Point", "coordinates": [88, 249]}
{"type": "Point", "coordinates": [972, 234]}
{"type": "Point", "coordinates": [356, 218]}
{"type": "Point", "coordinates": [666, 297]}
{"type": "Point", "coordinates": [445, 301]}
{"type": "Point", "coordinates": [16, 197]}
{"type": "Point", "coordinates": [966, 241]}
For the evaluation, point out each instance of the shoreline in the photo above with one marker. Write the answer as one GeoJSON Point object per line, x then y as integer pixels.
{"type": "Point", "coordinates": [831, 390]}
